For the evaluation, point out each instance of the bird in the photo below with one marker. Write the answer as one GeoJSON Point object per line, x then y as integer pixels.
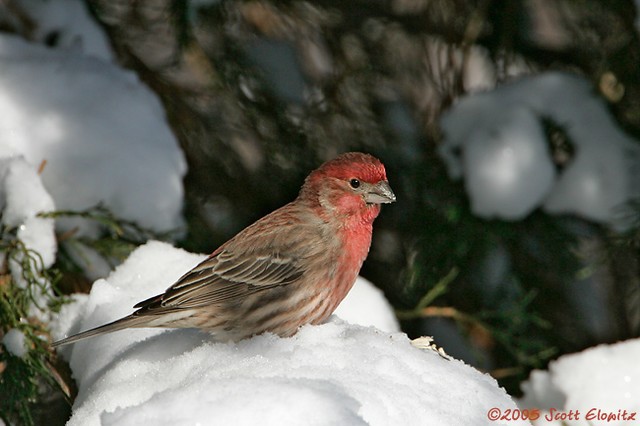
{"type": "Point", "coordinates": [290, 268]}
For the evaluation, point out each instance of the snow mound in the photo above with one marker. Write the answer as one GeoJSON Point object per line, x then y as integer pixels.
{"type": "Point", "coordinates": [366, 305]}
{"type": "Point", "coordinates": [336, 373]}
{"type": "Point", "coordinates": [102, 134]}
{"type": "Point", "coordinates": [496, 141]}
{"type": "Point", "coordinates": [14, 343]}
{"type": "Point", "coordinates": [598, 381]}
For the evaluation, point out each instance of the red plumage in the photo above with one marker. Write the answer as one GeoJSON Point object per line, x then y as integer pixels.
{"type": "Point", "coordinates": [290, 268]}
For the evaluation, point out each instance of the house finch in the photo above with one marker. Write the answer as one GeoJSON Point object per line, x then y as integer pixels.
{"type": "Point", "coordinates": [290, 268]}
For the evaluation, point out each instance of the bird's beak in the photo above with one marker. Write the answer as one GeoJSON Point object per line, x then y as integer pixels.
{"type": "Point", "coordinates": [380, 193]}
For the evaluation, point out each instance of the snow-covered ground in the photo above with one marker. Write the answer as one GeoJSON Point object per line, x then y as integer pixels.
{"type": "Point", "coordinates": [335, 374]}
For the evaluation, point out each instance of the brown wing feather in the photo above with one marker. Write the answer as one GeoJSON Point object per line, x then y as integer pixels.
{"type": "Point", "coordinates": [241, 267]}
{"type": "Point", "coordinates": [225, 277]}
{"type": "Point", "coordinates": [222, 278]}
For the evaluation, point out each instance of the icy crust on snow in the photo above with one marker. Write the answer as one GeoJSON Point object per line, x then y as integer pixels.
{"type": "Point", "coordinates": [496, 141]}
{"type": "Point", "coordinates": [336, 373]}
{"type": "Point", "coordinates": [99, 130]}
{"type": "Point", "coordinates": [605, 378]}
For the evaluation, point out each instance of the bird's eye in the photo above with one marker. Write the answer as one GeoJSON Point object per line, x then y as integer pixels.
{"type": "Point", "coordinates": [355, 183]}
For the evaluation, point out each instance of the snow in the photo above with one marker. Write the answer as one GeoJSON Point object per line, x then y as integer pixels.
{"type": "Point", "coordinates": [605, 378]}
{"type": "Point", "coordinates": [366, 305]}
{"type": "Point", "coordinates": [509, 166]}
{"type": "Point", "coordinates": [22, 197]}
{"type": "Point", "coordinates": [495, 140]}
{"type": "Point", "coordinates": [77, 131]}
{"type": "Point", "coordinates": [336, 373]}
{"type": "Point", "coordinates": [99, 130]}
{"type": "Point", "coordinates": [14, 342]}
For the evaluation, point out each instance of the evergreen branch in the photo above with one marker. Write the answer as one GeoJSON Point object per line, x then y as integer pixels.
{"type": "Point", "coordinates": [436, 291]}
{"type": "Point", "coordinates": [21, 377]}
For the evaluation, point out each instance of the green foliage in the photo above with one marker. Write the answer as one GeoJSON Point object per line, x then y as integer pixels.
{"type": "Point", "coordinates": [26, 285]}
{"type": "Point", "coordinates": [437, 290]}
{"type": "Point", "coordinates": [517, 331]}
{"type": "Point", "coordinates": [20, 377]}
{"type": "Point", "coordinates": [117, 238]}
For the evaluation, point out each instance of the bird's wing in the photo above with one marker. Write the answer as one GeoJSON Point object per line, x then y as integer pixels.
{"type": "Point", "coordinates": [226, 276]}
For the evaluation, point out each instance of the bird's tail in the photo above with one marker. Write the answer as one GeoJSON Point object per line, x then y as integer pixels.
{"type": "Point", "coordinates": [126, 322]}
